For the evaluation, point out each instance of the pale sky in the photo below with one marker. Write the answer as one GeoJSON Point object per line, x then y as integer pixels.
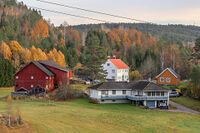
{"type": "Point", "coordinates": [157, 11]}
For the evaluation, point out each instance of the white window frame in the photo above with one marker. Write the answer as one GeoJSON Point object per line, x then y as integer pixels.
{"type": "Point", "coordinates": [17, 77]}
{"type": "Point", "coordinates": [162, 79]}
{"type": "Point", "coordinates": [115, 92]}
{"type": "Point", "coordinates": [32, 77]}
{"type": "Point", "coordinates": [168, 80]}
{"type": "Point", "coordinates": [104, 92]}
{"type": "Point", "coordinates": [32, 86]}
{"type": "Point", "coordinates": [47, 77]}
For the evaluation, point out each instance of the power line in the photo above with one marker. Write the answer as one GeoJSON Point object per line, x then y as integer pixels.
{"type": "Point", "coordinates": [93, 11]}
{"type": "Point", "coordinates": [63, 13]}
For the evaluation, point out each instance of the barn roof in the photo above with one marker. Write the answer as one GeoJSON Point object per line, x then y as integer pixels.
{"type": "Point", "coordinates": [41, 67]}
{"type": "Point", "coordinates": [171, 71]}
{"type": "Point", "coordinates": [52, 63]}
{"type": "Point", "coordinates": [138, 85]}
{"type": "Point", "coordinates": [119, 63]}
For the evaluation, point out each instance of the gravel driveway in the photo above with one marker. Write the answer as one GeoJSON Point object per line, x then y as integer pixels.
{"type": "Point", "coordinates": [181, 108]}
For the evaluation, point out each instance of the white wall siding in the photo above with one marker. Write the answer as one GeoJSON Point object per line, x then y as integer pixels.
{"type": "Point", "coordinates": [109, 69]}
{"type": "Point", "coordinates": [95, 94]}
{"type": "Point", "coordinates": [114, 73]}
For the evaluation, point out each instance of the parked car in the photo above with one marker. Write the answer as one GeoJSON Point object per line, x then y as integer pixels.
{"type": "Point", "coordinates": [174, 93]}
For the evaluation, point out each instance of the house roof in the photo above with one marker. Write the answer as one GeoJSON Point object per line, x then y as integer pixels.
{"type": "Point", "coordinates": [44, 69]}
{"type": "Point", "coordinates": [138, 85]}
{"type": "Point", "coordinates": [41, 67]}
{"type": "Point", "coordinates": [111, 85]}
{"type": "Point", "coordinates": [119, 63]}
{"type": "Point", "coordinates": [171, 71]}
{"type": "Point", "coordinates": [53, 64]}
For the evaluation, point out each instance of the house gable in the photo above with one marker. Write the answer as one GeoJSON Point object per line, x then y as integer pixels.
{"type": "Point", "coordinates": [169, 70]}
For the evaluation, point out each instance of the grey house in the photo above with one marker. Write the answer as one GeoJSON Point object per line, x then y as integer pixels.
{"type": "Point", "coordinates": [143, 93]}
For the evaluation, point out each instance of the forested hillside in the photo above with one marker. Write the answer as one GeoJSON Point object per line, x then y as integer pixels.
{"type": "Point", "coordinates": [171, 33]}
{"type": "Point", "coordinates": [146, 48]}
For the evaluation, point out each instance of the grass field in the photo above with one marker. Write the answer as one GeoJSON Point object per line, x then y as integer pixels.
{"type": "Point", "coordinates": [81, 116]}
{"type": "Point", "coordinates": [5, 91]}
{"type": "Point", "coordinates": [188, 102]}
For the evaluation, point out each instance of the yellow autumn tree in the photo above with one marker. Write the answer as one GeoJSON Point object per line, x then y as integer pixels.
{"type": "Point", "coordinates": [135, 75]}
{"type": "Point", "coordinates": [26, 55]}
{"type": "Point", "coordinates": [57, 56]}
{"type": "Point", "coordinates": [16, 50]}
{"type": "Point", "coordinates": [37, 54]}
{"type": "Point", "coordinates": [5, 51]}
{"type": "Point", "coordinates": [41, 30]}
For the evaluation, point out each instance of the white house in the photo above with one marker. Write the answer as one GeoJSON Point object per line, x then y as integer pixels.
{"type": "Point", "coordinates": [143, 93]}
{"type": "Point", "coordinates": [116, 70]}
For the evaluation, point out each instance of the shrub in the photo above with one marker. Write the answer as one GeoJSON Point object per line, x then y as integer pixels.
{"type": "Point", "coordinates": [94, 101]}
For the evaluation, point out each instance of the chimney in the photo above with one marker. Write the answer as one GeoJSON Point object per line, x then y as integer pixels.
{"type": "Point", "coordinates": [114, 57]}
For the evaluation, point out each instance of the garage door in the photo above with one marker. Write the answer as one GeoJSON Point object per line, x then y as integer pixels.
{"type": "Point", "coordinates": [151, 104]}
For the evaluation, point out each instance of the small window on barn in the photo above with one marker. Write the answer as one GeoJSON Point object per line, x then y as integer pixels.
{"type": "Point", "coordinates": [162, 79]}
{"type": "Point", "coordinates": [162, 93]}
{"type": "Point", "coordinates": [47, 77]}
{"type": "Point", "coordinates": [108, 64]}
{"type": "Point", "coordinates": [168, 80]}
{"type": "Point", "coordinates": [17, 77]}
{"type": "Point", "coordinates": [32, 77]}
{"type": "Point", "coordinates": [31, 86]}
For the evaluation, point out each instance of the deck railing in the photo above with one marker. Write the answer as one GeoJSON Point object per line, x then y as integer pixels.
{"type": "Point", "coordinates": [135, 98]}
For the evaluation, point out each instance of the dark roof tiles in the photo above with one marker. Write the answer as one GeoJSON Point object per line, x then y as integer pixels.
{"type": "Point", "coordinates": [138, 85]}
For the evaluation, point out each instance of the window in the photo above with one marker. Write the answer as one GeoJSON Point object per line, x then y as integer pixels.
{"type": "Point", "coordinates": [113, 70]}
{"type": "Point", "coordinates": [113, 77]}
{"type": "Point", "coordinates": [168, 80]}
{"type": "Point", "coordinates": [102, 100]}
{"type": "Point", "coordinates": [162, 93]}
{"type": "Point", "coordinates": [31, 86]}
{"type": "Point", "coordinates": [162, 79]}
{"type": "Point", "coordinates": [104, 92]}
{"type": "Point", "coordinates": [17, 77]}
{"type": "Point", "coordinates": [32, 77]}
{"type": "Point", "coordinates": [113, 100]}
{"type": "Point", "coordinates": [148, 93]}
{"type": "Point", "coordinates": [153, 93]}
{"type": "Point", "coordinates": [114, 92]}
{"type": "Point", "coordinates": [157, 93]}
{"type": "Point", "coordinates": [108, 64]}
{"type": "Point", "coordinates": [47, 77]}
{"type": "Point", "coordinates": [123, 92]}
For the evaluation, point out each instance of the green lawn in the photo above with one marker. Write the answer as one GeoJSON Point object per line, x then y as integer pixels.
{"type": "Point", "coordinates": [5, 91]}
{"type": "Point", "coordinates": [188, 102]}
{"type": "Point", "coordinates": [81, 116]}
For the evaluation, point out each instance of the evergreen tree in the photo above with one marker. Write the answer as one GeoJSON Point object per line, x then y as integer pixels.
{"type": "Point", "coordinates": [6, 73]}
{"type": "Point", "coordinates": [95, 56]}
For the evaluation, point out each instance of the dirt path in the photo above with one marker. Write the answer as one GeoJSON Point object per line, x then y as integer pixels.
{"type": "Point", "coordinates": [181, 108]}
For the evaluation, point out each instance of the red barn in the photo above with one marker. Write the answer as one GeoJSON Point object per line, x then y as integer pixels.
{"type": "Point", "coordinates": [40, 75]}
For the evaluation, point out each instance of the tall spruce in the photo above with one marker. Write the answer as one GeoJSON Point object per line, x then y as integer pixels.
{"type": "Point", "coordinates": [94, 56]}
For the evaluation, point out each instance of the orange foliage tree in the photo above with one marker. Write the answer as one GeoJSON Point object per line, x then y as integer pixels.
{"type": "Point", "coordinates": [41, 30]}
